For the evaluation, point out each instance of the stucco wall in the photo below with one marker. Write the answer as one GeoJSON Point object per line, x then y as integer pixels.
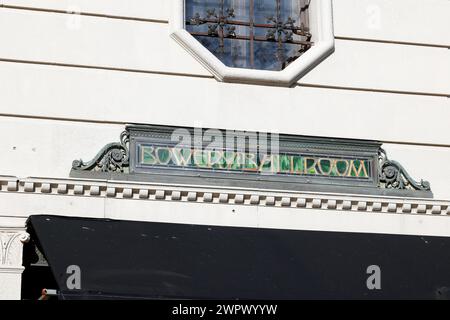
{"type": "Point", "coordinates": [69, 82]}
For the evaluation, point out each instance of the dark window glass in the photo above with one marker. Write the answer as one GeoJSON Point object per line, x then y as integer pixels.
{"type": "Point", "coordinates": [253, 34]}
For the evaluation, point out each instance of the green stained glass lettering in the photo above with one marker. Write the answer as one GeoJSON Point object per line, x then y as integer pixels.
{"type": "Point", "coordinates": [163, 155]}
{"type": "Point", "coordinates": [285, 163]}
{"type": "Point", "coordinates": [324, 166]}
{"type": "Point", "coordinates": [311, 166]}
{"type": "Point", "coordinates": [148, 156]}
{"type": "Point", "coordinates": [297, 165]}
{"type": "Point", "coordinates": [342, 167]}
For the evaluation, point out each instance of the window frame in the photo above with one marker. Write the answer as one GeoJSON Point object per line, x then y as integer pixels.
{"type": "Point", "coordinates": [321, 26]}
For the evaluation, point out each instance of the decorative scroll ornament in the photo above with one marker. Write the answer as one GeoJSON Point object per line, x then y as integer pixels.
{"type": "Point", "coordinates": [11, 247]}
{"type": "Point", "coordinates": [392, 175]}
{"type": "Point", "coordinates": [113, 157]}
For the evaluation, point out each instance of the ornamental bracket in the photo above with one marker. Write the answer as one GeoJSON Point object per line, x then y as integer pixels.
{"type": "Point", "coordinates": [114, 157]}
{"type": "Point", "coordinates": [394, 176]}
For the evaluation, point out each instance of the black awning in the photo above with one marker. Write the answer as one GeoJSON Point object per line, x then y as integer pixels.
{"type": "Point", "coordinates": [124, 259]}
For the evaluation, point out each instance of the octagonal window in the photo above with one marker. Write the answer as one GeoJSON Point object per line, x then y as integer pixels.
{"type": "Point", "coordinates": [270, 42]}
{"type": "Point", "coordinates": [251, 34]}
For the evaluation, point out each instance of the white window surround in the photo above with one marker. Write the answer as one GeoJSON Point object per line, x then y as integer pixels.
{"type": "Point", "coordinates": [321, 20]}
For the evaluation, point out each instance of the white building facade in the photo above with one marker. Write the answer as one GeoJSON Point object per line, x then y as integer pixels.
{"type": "Point", "coordinates": [75, 73]}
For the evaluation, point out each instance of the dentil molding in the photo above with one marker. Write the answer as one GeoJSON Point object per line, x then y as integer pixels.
{"type": "Point", "coordinates": [221, 196]}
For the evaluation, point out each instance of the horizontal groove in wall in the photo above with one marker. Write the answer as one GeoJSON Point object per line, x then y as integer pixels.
{"type": "Point", "coordinates": [134, 52]}
{"type": "Point", "coordinates": [24, 116]}
{"type": "Point", "coordinates": [88, 14]}
{"type": "Point", "coordinates": [394, 42]}
{"type": "Point", "coordinates": [98, 15]}
{"type": "Point", "coordinates": [68, 65]}
{"type": "Point", "coordinates": [310, 85]}
{"type": "Point", "coordinates": [48, 118]}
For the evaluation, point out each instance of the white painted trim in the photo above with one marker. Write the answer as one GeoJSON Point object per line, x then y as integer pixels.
{"type": "Point", "coordinates": [226, 196]}
{"type": "Point", "coordinates": [322, 14]}
{"type": "Point", "coordinates": [13, 270]}
{"type": "Point", "coordinates": [12, 224]}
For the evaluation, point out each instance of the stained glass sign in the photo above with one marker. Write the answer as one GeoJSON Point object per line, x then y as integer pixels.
{"type": "Point", "coordinates": [171, 157]}
{"type": "Point", "coordinates": [251, 158]}
{"type": "Point", "coordinates": [256, 160]}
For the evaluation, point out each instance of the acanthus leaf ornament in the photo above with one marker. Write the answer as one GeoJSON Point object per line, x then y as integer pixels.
{"type": "Point", "coordinates": [114, 157]}
{"type": "Point", "coordinates": [392, 175]}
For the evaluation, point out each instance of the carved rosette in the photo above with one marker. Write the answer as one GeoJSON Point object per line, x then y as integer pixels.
{"type": "Point", "coordinates": [113, 157]}
{"type": "Point", "coordinates": [11, 247]}
{"type": "Point", "coordinates": [392, 175]}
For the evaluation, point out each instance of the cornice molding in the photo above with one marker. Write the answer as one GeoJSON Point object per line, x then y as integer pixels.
{"type": "Point", "coordinates": [222, 195]}
{"type": "Point", "coordinates": [12, 270]}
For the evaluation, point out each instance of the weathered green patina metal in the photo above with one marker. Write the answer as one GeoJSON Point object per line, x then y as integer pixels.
{"type": "Point", "coordinates": [251, 160]}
